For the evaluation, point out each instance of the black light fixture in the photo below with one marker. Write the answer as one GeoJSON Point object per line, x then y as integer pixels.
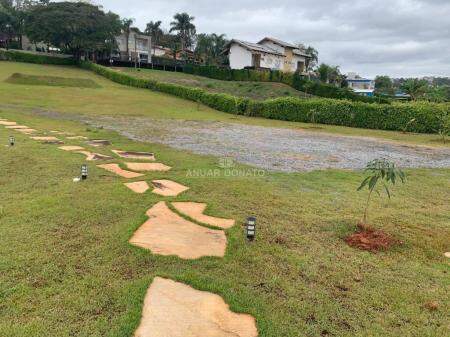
{"type": "Point", "coordinates": [84, 172]}
{"type": "Point", "coordinates": [12, 140]}
{"type": "Point", "coordinates": [250, 228]}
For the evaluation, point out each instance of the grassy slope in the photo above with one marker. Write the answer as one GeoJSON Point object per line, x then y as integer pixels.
{"type": "Point", "coordinates": [66, 268]}
{"type": "Point", "coordinates": [113, 99]}
{"type": "Point", "coordinates": [254, 90]}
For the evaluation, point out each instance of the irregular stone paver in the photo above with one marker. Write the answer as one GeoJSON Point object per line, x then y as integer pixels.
{"type": "Point", "coordinates": [167, 233]}
{"type": "Point", "coordinates": [16, 127]}
{"type": "Point", "coordinates": [138, 186]}
{"type": "Point", "coordinates": [447, 254]}
{"type": "Point", "coordinates": [26, 131]}
{"type": "Point", "coordinates": [45, 138]}
{"type": "Point", "coordinates": [173, 309]}
{"type": "Point", "coordinates": [71, 148]}
{"type": "Point", "coordinates": [115, 168]}
{"type": "Point", "coordinates": [90, 156]}
{"type": "Point", "coordinates": [98, 142]}
{"type": "Point", "coordinates": [195, 211]}
{"type": "Point", "coordinates": [168, 188]}
{"type": "Point", "coordinates": [7, 123]}
{"type": "Point", "coordinates": [135, 154]}
{"type": "Point", "coordinates": [148, 167]}
{"type": "Point", "coordinates": [76, 137]}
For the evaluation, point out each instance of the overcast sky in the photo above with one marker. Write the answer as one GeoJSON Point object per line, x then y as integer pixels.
{"type": "Point", "coordinates": [371, 37]}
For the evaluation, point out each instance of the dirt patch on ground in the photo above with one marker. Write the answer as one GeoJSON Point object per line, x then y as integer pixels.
{"type": "Point", "coordinates": [167, 233]}
{"type": "Point", "coordinates": [178, 310]}
{"type": "Point", "coordinates": [371, 240]}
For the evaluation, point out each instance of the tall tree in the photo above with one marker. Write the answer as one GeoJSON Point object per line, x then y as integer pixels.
{"type": "Point", "coordinates": [126, 28]}
{"type": "Point", "coordinates": [183, 25]}
{"type": "Point", "coordinates": [210, 46]}
{"type": "Point", "coordinates": [415, 87]}
{"type": "Point", "coordinates": [330, 74]}
{"type": "Point", "coordinates": [311, 63]}
{"type": "Point", "coordinates": [384, 85]}
{"type": "Point", "coordinates": [75, 27]}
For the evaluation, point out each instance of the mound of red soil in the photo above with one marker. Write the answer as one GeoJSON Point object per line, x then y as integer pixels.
{"type": "Point", "coordinates": [371, 240]}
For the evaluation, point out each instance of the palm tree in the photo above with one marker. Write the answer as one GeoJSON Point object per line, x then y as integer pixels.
{"type": "Point", "coordinates": [126, 27]}
{"type": "Point", "coordinates": [186, 29]}
{"type": "Point", "coordinates": [154, 30]}
{"type": "Point", "coordinates": [415, 87]}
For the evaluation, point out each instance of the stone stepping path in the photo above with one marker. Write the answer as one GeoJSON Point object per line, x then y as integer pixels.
{"type": "Point", "coordinates": [138, 186]}
{"type": "Point", "coordinates": [195, 211]}
{"type": "Point", "coordinates": [167, 233]}
{"type": "Point", "coordinates": [168, 188]}
{"type": "Point", "coordinates": [71, 148]}
{"type": "Point", "coordinates": [135, 155]}
{"type": "Point", "coordinates": [90, 156]}
{"type": "Point", "coordinates": [147, 167]}
{"type": "Point", "coordinates": [115, 168]}
{"type": "Point", "coordinates": [173, 309]}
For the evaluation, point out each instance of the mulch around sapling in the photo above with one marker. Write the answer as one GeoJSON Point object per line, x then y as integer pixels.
{"type": "Point", "coordinates": [370, 239]}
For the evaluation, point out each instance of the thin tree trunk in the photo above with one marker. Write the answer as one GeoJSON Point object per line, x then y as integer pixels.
{"type": "Point", "coordinates": [366, 211]}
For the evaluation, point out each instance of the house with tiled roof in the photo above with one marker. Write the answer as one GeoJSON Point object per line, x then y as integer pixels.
{"type": "Point", "coordinates": [268, 53]}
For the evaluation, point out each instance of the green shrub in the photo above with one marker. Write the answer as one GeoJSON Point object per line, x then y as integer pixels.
{"type": "Point", "coordinates": [28, 57]}
{"type": "Point", "coordinates": [325, 111]}
{"type": "Point", "coordinates": [294, 80]}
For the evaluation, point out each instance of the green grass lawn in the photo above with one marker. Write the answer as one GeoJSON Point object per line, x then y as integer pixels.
{"type": "Point", "coordinates": [253, 90]}
{"type": "Point", "coordinates": [114, 99]}
{"type": "Point", "coordinates": [25, 79]}
{"type": "Point", "coordinates": [66, 268]}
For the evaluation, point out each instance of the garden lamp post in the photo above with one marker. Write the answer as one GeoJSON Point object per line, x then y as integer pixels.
{"type": "Point", "coordinates": [84, 172]}
{"type": "Point", "coordinates": [250, 228]}
{"type": "Point", "coordinates": [12, 140]}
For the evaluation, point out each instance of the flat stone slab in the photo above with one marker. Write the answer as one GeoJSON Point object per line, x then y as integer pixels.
{"type": "Point", "coordinates": [98, 142]}
{"type": "Point", "coordinates": [447, 254]}
{"type": "Point", "coordinates": [90, 156]}
{"type": "Point", "coordinates": [138, 186]}
{"type": "Point", "coordinates": [76, 137]}
{"type": "Point", "coordinates": [115, 168]}
{"type": "Point", "coordinates": [135, 154]}
{"type": "Point", "coordinates": [195, 211]}
{"type": "Point", "coordinates": [168, 188]}
{"type": "Point", "coordinates": [173, 309]}
{"type": "Point", "coordinates": [16, 127]}
{"type": "Point", "coordinates": [167, 233]}
{"type": "Point", "coordinates": [71, 148]}
{"type": "Point", "coordinates": [45, 138]}
{"type": "Point", "coordinates": [26, 131]}
{"type": "Point", "coordinates": [147, 167]}
{"type": "Point", "coordinates": [7, 123]}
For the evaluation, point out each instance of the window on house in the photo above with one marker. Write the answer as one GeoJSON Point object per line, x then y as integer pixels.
{"type": "Point", "coordinates": [300, 66]}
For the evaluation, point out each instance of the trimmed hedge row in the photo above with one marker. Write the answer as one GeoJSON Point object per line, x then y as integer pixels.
{"type": "Point", "coordinates": [394, 116]}
{"type": "Point", "coordinates": [21, 56]}
{"type": "Point", "coordinates": [294, 80]}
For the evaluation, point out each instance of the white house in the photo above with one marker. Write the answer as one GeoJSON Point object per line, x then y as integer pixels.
{"type": "Point", "coordinates": [268, 53]}
{"type": "Point", "coordinates": [139, 47]}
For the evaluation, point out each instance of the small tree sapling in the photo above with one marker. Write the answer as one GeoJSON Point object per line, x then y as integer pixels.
{"type": "Point", "coordinates": [380, 171]}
